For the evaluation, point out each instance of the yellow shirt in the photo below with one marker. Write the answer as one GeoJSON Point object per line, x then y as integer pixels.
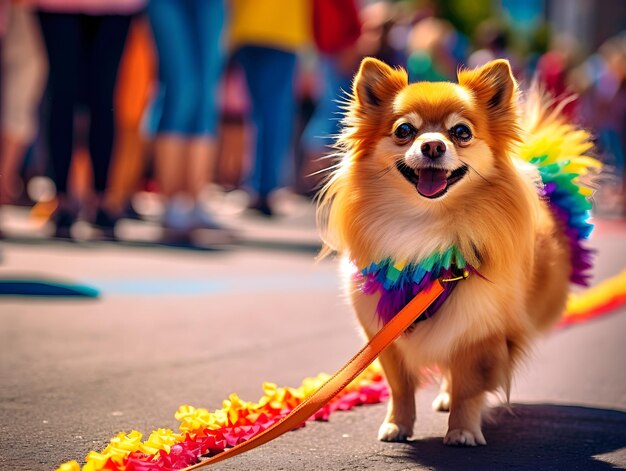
{"type": "Point", "coordinates": [282, 24]}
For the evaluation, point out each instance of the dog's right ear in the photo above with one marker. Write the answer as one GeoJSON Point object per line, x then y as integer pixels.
{"type": "Point", "coordinates": [376, 83]}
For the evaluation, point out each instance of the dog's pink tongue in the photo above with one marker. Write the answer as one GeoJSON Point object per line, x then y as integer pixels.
{"type": "Point", "coordinates": [431, 181]}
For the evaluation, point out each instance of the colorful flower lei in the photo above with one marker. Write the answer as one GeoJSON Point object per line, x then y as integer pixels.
{"type": "Point", "coordinates": [202, 432]}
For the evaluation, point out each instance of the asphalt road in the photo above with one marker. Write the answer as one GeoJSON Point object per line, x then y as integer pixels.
{"type": "Point", "coordinates": [176, 326]}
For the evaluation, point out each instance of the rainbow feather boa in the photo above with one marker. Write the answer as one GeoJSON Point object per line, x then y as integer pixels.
{"type": "Point", "coordinates": [399, 282]}
{"type": "Point", "coordinates": [557, 149]}
{"type": "Point", "coordinates": [572, 209]}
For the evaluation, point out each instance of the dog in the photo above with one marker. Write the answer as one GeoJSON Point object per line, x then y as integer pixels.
{"type": "Point", "coordinates": [460, 182]}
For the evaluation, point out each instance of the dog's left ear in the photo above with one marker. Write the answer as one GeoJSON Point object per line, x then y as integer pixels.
{"type": "Point", "coordinates": [493, 85]}
{"type": "Point", "coordinates": [495, 92]}
{"type": "Point", "coordinates": [376, 84]}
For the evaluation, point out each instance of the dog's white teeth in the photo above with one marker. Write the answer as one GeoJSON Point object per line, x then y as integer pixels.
{"type": "Point", "coordinates": [448, 173]}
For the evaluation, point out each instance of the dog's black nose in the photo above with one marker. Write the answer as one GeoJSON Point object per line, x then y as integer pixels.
{"type": "Point", "coordinates": [433, 149]}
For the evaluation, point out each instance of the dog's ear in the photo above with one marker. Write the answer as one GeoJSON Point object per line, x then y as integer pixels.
{"type": "Point", "coordinates": [495, 92]}
{"type": "Point", "coordinates": [493, 86]}
{"type": "Point", "coordinates": [376, 84]}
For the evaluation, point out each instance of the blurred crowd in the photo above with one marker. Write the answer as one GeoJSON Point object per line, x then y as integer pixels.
{"type": "Point", "coordinates": [189, 100]}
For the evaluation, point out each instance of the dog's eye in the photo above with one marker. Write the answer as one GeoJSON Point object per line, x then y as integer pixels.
{"type": "Point", "coordinates": [404, 133]}
{"type": "Point", "coordinates": [461, 132]}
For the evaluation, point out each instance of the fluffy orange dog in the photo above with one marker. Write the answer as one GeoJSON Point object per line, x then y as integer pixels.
{"type": "Point", "coordinates": [429, 171]}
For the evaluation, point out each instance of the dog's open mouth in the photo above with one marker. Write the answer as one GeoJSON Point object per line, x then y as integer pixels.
{"type": "Point", "coordinates": [431, 182]}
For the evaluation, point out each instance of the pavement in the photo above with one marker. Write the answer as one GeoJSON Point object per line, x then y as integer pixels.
{"type": "Point", "coordinates": [189, 325]}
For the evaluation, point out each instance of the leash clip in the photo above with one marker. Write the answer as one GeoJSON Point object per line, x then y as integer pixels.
{"type": "Point", "coordinates": [465, 275]}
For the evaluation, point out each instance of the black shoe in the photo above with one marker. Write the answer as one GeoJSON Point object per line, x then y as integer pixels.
{"type": "Point", "coordinates": [262, 206]}
{"type": "Point", "coordinates": [130, 213]}
{"type": "Point", "coordinates": [63, 221]}
{"type": "Point", "coordinates": [105, 222]}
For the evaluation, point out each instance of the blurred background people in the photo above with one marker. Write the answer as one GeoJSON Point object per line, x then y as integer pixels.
{"type": "Point", "coordinates": [379, 33]}
{"type": "Point", "coordinates": [601, 82]}
{"type": "Point", "coordinates": [492, 42]}
{"type": "Point", "coordinates": [435, 49]}
{"type": "Point", "coordinates": [24, 69]}
{"type": "Point", "coordinates": [336, 31]}
{"type": "Point", "coordinates": [134, 91]}
{"type": "Point", "coordinates": [168, 116]}
{"type": "Point", "coordinates": [84, 42]}
{"type": "Point", "coordinates": [234, 136]}
{"type": "Point", "coordinates": [553, 69]}
{"type": "Point", "coordinates": [188, 38]}
{"type": "Point", "coordinates": [265, 37]}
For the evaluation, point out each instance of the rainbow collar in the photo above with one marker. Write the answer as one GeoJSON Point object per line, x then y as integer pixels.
{"type": "Point", "coordinates": [399, 282]}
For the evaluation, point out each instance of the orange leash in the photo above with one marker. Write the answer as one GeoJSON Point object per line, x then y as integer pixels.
{"type": "Point", "coordinates": [340, 379]}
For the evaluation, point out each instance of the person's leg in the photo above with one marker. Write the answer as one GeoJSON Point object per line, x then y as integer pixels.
{"type": "Point", "coordinates": [179, 81]}
{"type": "Point", "coordinates": [12, 148]}
{"type": "Point", "coordinates": [135, 80]}
{"type": "Point", "coordinates": [105, 52]}
{"type": "Point", "coordinates": [273, 114]}
{"type": "Point", "coordinates": [24, 69]}
{"type": "Point", "coordinates": [280, 114]}
{"type": "Point", "coordinates": [173, 25]}
{"type": "Point", "coordinates": [61, 33]}
{"type": "Point", "coordinates": [247, 58]}
{"type": "Point", "coordinates": [274, 107]}
{"type": "Point", "coordinates": [208, 28]}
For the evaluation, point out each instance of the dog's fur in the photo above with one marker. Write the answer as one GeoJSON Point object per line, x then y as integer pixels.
{"type": "Point", "coordinates": [369, 212]}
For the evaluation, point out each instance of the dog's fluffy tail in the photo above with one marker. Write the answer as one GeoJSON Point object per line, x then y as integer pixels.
{"type": "Point", "coordinates": [560, 150]}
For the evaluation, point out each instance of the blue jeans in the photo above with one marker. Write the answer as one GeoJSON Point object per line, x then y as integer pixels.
{"type": "Point", "coordinates": [270, 75]}
{"type": "Point", "coordinates": [188, 37]}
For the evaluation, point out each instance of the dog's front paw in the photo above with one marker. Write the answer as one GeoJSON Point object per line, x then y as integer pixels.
{"type": "Point", "coordinates": [390, 432]}
{"type": "Point", "coordinates": [463, 437]}
{"type": "Point", "coordinates": [442, 402]}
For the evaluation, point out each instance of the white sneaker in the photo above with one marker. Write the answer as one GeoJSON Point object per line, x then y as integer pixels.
{"type": "Point", "coordinates": [201, 218]}
{"type": "Point", "coordinates": [178, 214]}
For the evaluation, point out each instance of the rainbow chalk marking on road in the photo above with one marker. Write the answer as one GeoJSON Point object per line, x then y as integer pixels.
{"type": "Point", "coordinates": [202, 432]}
